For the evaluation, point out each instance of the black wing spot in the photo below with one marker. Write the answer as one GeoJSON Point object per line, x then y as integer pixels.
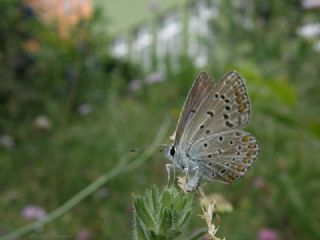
{"type": "Point", "coordinates": [210, 113]}
{"type": "Point", "coordinates": [225, 116]}
{"type": "Point", "coordinates": [222, 97]}
{"type": "Point", "coordinates": [205, 145]}
{"type": "Point", "coordinates": [231, 142]}
{"type": "Point", "coordinates": [207, 131]}
{"type": "Point", "coordinates": [229, 124]}
{"type": "Point", "coordinates": [220, 139]}
{"type": "Point", "coordinates": [216, 95]}
{"type": "Point", "coordinates": [213, 174]}
{"type": "Point", "coordinates": [209, 156]}
{"type": "Point", "coordinates": [201, 126]}
{"type": "Point", "coordinates": [227, 100]}
{"type": "Point", "coordinates": [239, 147]}
{"type": "Point", "coordinates": [223, 171]}
{"type": "Point", "coordinates": [228, 108]}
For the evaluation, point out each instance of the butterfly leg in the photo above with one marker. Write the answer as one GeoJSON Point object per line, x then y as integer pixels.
{"type": "Point", "coordinates": [168, 167]}
{"type": "Point", "coordinates": [193, 181]}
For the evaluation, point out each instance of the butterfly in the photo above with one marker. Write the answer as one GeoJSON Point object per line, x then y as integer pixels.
{"type": "Point", "coordinates": [209, 141]}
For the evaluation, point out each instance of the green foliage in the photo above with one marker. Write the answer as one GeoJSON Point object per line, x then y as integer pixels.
{"type": "Point", "coordinates": [44, 72]}
{"type": "Point", "coordinates": [161, 215]}
{"type": "Point", "coordinates": [281, 191]}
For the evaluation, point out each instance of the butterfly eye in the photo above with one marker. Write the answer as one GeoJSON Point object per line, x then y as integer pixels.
{"type": "Point", "coordinates": [172, 151]}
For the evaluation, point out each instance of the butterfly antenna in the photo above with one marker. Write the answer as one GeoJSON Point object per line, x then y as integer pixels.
{"type": "Point", "coordinates": [149, 146]}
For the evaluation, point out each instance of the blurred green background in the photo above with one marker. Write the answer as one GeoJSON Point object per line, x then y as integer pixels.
{"type": "Point", "coordinates": [70, 110]}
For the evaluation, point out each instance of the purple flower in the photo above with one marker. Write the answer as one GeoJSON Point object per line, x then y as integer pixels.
{"type": "Point", "coordinates": [84, 234]}
{"type": "Point", "coordinates": [268, 234]}
{"type": "Point", "coordinates": [33, 212]}
{"type": "Point", "coordinates": [155, 77]}
{"type": "Point", "coordinates": [309, 4]}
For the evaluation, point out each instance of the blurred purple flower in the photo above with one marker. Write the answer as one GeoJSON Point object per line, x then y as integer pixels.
{"type": "Point", "coordinates": [260, 184]}
{"type": "Point", "coordinates": [33, 212]}
{"type": "Point", "coordinates": [268, 234]}
{"type": "Point", "coordinates": [309, 4]}
{"type": "Point", "coordinates": [84, 234]}
{"type": "Point", "coordinates": [154, 78]}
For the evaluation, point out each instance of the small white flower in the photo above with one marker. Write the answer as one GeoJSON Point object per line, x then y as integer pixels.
{"type": "Point", "coordinates": [207, 214]}
{"type": "Point", "coordinates": [182, 183]}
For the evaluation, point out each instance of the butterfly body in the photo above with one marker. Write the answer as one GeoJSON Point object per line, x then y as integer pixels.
{"type": "Point", "coordinates": [209, 142]}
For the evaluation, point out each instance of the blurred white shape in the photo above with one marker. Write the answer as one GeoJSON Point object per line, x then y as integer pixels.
{"type": "Point", "coordinates": [200, 13]}
{"type": "Point", "coordinates": [84, 109]}
{"type": "Point", "coordinates": [310, 30]}
{"type": "Point", "coordinates": [7, 141]}
{"type": "Point", "coordinates": [142, 46]}
{"type": "Point", "coordinates": [244, 9]}
{"type": "Point", "coordinates": [169, 38]}
{"type": "Point", "coordinates": [42, 122]}
{"type": "Point", "coordinates": [309, 4]}
{"type": "Point", "coordinates": [155, 77]}
{"type": "Point", "coordinates": [119, 47]}
{"type": "Point", "coordinates": [33, 212]}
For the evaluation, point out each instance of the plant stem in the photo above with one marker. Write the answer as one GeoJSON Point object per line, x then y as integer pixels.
{"type": "Point", "coordinates": [121, 167]}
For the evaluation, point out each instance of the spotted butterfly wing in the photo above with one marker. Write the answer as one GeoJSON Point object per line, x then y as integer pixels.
{"type": "Point", "coordinates": [220, 115]}
{"type": "Point", "coordinates": [225, 108]}
{"type": "Point", "coordinates": [199, 90]}
{"type": "Point", "coordinates": [224, 156]}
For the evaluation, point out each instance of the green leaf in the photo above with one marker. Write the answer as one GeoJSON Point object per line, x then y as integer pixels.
{"type": "Point", "coordinates": [143, 212]}
{"type": "Point", "coordinates": [161, 215]}
{"type": "Point", "coordinates": [165, 220]}
{"type": "Point", "coordinates": [139, 230]}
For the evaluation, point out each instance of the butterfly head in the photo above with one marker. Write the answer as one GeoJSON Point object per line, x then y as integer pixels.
{"type": "Point", "coordinates": [171, 152]}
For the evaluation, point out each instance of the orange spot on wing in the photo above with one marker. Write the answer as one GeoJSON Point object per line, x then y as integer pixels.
{"type": "Point", "coordinates": [245, 139]}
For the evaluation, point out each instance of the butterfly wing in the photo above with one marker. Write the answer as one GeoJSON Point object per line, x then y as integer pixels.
{"type": "Point", "coordinates": [226, 107]}
{"type": "Point", "coordinates": [199, 90]}
{"type": "Point", "coordinates": [224, 156]}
